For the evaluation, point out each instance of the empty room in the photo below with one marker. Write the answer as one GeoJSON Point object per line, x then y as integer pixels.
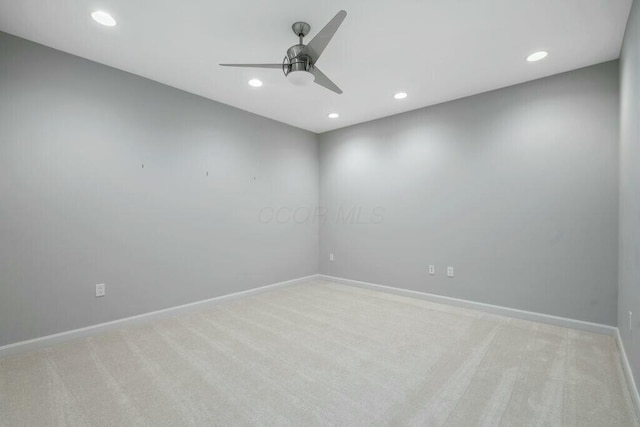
{"type": "Point", "coordinates": [314, 213]}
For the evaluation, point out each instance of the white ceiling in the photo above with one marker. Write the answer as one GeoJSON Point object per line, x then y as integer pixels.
{"type": "Point", "coordinates": [436, 50]}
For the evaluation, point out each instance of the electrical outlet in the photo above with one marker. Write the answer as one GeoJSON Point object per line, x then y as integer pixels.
{"type": "Point", "coordinates": [432, 270]}
{"type": "Point", "coordinates": [630, 320]}
{"type": "Point", "coordinates": [449, 271]}
{"type": "Point", "coordinates": [100, 290]}
{"type": "Point", "coordinates": [331, 258]}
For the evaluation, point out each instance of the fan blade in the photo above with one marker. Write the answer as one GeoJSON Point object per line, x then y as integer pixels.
{"type": "Point", "coordinates": [324, 81]}
{"type": "Point", "coordinates": [253, 65]}
{"type": "Point", "coordinates": [316, 46]}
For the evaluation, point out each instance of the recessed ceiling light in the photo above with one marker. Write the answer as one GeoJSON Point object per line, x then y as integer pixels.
{"type": "Point", "coordinates": [255, 83]}
{"type": "Point", "coordinates": [334, 115]}
{"type": "Point", "coordinates": [400, 95]}
{"type": "Point", "coordinates": [103, 18]}
{"type": "Point", "coordinates": [537, 56]}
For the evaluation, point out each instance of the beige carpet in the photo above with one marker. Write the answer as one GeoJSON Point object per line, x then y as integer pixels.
{"type": "Point", "coordinates": [321, 353]}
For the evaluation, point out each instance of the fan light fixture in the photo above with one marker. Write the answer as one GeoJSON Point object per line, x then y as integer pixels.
{"type": "Point", "coordinates": [537, 56]}
{"type": "Point", "coordinates": [102, 17]}
{"type": "Point", "coordinates": [300, 78]}
{"type": "Point", "coordinates": [255, 83]}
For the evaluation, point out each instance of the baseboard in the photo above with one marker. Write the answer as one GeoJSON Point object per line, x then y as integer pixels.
{"type": "Point", "coordinates": [494, 309]}
{"type": "Point", "coordinates": [50, 340]}
{"type": "Point", "coordinates": [626, 368]}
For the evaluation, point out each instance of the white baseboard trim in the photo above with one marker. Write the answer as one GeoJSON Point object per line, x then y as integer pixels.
{"type": "Point", "coordinates": [626, 368]}
{"type": "Point", "coordinates": [489, 308]}
{"type": "Point", "coordinates": [50, 340]}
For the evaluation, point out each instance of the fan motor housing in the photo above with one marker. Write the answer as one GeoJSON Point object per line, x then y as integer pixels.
{"type": "Point", "coordinates": [294, 61]}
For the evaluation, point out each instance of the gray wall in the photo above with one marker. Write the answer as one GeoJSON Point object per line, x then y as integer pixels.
{"type": "Point", "coordinates": [517, 189]}
{"type": "Point", "coordinates": [77, 208]}
{"type": "Point", "coordinates": [629, 285]}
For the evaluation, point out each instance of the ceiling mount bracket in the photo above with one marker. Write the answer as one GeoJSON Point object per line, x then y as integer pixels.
{"type": "Point", "coordinates": [301, 29]}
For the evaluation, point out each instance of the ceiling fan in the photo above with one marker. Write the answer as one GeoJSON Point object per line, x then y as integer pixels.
{"type": "Point", "coordinates": [299, 65]}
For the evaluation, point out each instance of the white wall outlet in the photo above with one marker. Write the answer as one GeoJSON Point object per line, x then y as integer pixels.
{"type": "Point", "coordinates": [449, 271]}
{"type": "Point", "coordinates": [331, 258]}
{"type": "Point", "coordinates": [630, 320]}
{"type": "Point", "coordinates": [432, 270]}
{"type": "Point", "coordinates": [100, 290]}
